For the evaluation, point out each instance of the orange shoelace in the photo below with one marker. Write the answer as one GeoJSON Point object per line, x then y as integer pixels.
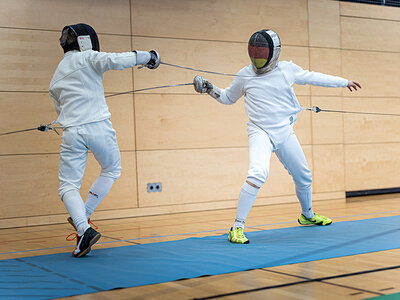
{"type": "Point", "coordinates": [74, 235]}
{"type": "Point", "coordinates": [93, 225]}
{"type": "Point", "coordinates": [71, 237]}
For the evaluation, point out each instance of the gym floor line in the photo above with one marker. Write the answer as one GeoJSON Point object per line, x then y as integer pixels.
{"type": "Point", "coordinates": [307, 280]}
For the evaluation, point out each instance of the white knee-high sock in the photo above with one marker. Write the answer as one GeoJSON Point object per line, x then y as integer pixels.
{"type": "Point", "coordinates": [247, 196]}
{"type": "Point", "coordinates": [97, 192]}
{"type": "Point", "coordinates": [76, 209]}
{"type": "Point", "coordinates": [304, 195]}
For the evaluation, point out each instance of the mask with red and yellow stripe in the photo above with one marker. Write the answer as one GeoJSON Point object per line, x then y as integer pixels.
{"type": "Point", "coordinates": [264, 50]}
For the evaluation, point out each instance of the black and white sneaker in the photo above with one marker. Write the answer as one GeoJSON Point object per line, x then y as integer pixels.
{"type": "Point", "coordinates": [85, 242]}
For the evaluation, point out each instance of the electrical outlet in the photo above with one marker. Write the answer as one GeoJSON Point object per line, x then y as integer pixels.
{"type": "Point", "coordinates": [154, 187]}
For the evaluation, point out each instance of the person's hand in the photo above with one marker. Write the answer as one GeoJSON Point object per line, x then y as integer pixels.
{"type": "Point", "coordinates": [353, 84]}
{"type": "Point", "coordinates": [202, 85]}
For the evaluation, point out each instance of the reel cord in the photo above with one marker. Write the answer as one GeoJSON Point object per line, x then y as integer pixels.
{"type": "Point", "coordinates": [316, 109]}
{"type": "Point", "coordinates": [43, 128]}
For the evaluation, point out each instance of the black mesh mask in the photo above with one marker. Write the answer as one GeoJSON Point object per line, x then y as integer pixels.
{"type": "Point", "coordinates": [76, 37]}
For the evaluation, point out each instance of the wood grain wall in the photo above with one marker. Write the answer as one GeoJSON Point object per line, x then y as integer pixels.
{"type": "Point", "coordinates": [195, 146]}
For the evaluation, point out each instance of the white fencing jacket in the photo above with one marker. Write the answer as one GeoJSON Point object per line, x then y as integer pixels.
{"type": "Point", "coordinates": [77, 84]}
{"type": "Point", "coordinates": [269, 99]}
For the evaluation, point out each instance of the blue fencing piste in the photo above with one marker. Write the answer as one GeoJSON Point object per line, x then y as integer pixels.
{"type": "Point", "coordinates": [61, 275]}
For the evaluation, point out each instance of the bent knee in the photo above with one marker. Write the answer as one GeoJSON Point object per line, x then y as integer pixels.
{"type": "Point", "coordinates": [303, 180]}
{"type": "Point", "coordinates": [114, 173]}
{"type": "Point", "coordinates": [65, 188]}
{"type": "Point", "coordinates": [112, 170]}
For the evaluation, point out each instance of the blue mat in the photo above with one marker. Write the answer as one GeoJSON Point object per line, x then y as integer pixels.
{"type": "Point", "coordinates": [60, 275]}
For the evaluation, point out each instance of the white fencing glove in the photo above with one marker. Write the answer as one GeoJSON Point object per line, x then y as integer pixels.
{"type": "Point", "coordinates": [202, 85]}
{"type": "Point", "coordinates": [154, 61]}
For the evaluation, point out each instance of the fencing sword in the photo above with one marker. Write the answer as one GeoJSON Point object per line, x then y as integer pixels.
{"type": "Point", "coordinates": [197, 70]}
{"type": "Point", "coordinates": [203, 71]}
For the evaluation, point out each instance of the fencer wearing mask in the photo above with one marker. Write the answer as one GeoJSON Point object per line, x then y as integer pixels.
{"type": "Point", "coordinates": [272, 108]}
{"type": "Point", "coordinates": [78, 94]}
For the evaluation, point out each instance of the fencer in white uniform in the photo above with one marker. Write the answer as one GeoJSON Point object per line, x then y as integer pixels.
{"type": "Point", "coordinates": [78, 94]}
{"type": "Point", "coordinates": [272, 108]}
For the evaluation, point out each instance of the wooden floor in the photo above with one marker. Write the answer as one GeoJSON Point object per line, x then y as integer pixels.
{"type": "Point", "coordinates": [351, 277]}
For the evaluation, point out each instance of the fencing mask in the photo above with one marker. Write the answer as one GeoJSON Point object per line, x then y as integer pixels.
{"type": "Point", "coordinates": [264, 50]}
{"type": "Point", "coordinates": [80, 37]}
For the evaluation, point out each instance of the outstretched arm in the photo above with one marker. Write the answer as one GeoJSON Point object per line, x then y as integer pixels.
{"type": "Point", "coordinates": [320, 79]}
{"type": "Point", "coordinates": [104, 61]}
{"type": "Point", "coordinates": [227, 96]}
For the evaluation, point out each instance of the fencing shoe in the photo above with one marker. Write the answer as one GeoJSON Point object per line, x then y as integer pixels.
{"type": "Point", "coordinates": [85, 242]}
{"type": "Point", "coordinates": [316, 220]}
{"type": "Point", "coordinates": [237, 236]}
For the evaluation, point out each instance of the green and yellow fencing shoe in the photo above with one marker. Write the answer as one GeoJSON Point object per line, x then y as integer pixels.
{"type": "Point", "coordinates": [316, 220]}
{"type": "Point", "coordinates": [237, 236]}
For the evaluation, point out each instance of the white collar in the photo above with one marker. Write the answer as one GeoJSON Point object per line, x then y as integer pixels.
{"type": "Point", "coordinates": [70, 52]}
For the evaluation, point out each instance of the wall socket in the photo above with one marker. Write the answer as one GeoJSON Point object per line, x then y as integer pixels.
{"type": "Point", "coordinates": [154, 187]}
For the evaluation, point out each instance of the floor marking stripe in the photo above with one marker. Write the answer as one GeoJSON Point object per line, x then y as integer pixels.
{"type": "Point", "coordinates": [302, 281]}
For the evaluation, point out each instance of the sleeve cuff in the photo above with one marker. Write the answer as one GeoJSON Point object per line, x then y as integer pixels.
{"type": "Point", "coordinates": [142, 57]}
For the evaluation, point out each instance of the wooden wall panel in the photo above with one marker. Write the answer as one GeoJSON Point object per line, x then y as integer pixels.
{"type": "Point", "coordinates": [104, 16]}
{"type": "Point", "coordinates": [329, 167]}
{"type": "Point", "coordinates": [224, 20]}
{"type": "Point", "coordinates": [371, 148]}
{"type": "Point", "coordinates": [327, 61]}
{"type": "Point", "coordinates": [22, 111]}
{"type": "Point", "coordinates": [323, 23]}
{"type": "Point", "coordinates": [369, 128]}
{"type": "Point", "coordinates": [327, 128]}
{"type": "Point", "coordinates": [372, 166]}
{"type": "Point", "coordinates": [29, 59]}
{"type": "Point", "coordinates": [369, 34]}
{"type": "Point", "coordinates": [29, 185]}
{"type": "Point", "coordinates": [14, 116]}
{"type": "Point", "coordinates": [189, 176]}
{"type": "Point", "coordinates": [188, 121]}
{"type": "Point", "coordinates": [377, 72]}
{"type": "Point", "coordinates": [205, 55]}
{"type": "Point", "coordinates": [369, 11]}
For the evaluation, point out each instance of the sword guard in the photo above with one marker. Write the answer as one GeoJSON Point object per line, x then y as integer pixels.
{"type": "Point", "coordinates": [316, 109]}
{"type": "Point", "coordinates": [43, 128]}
